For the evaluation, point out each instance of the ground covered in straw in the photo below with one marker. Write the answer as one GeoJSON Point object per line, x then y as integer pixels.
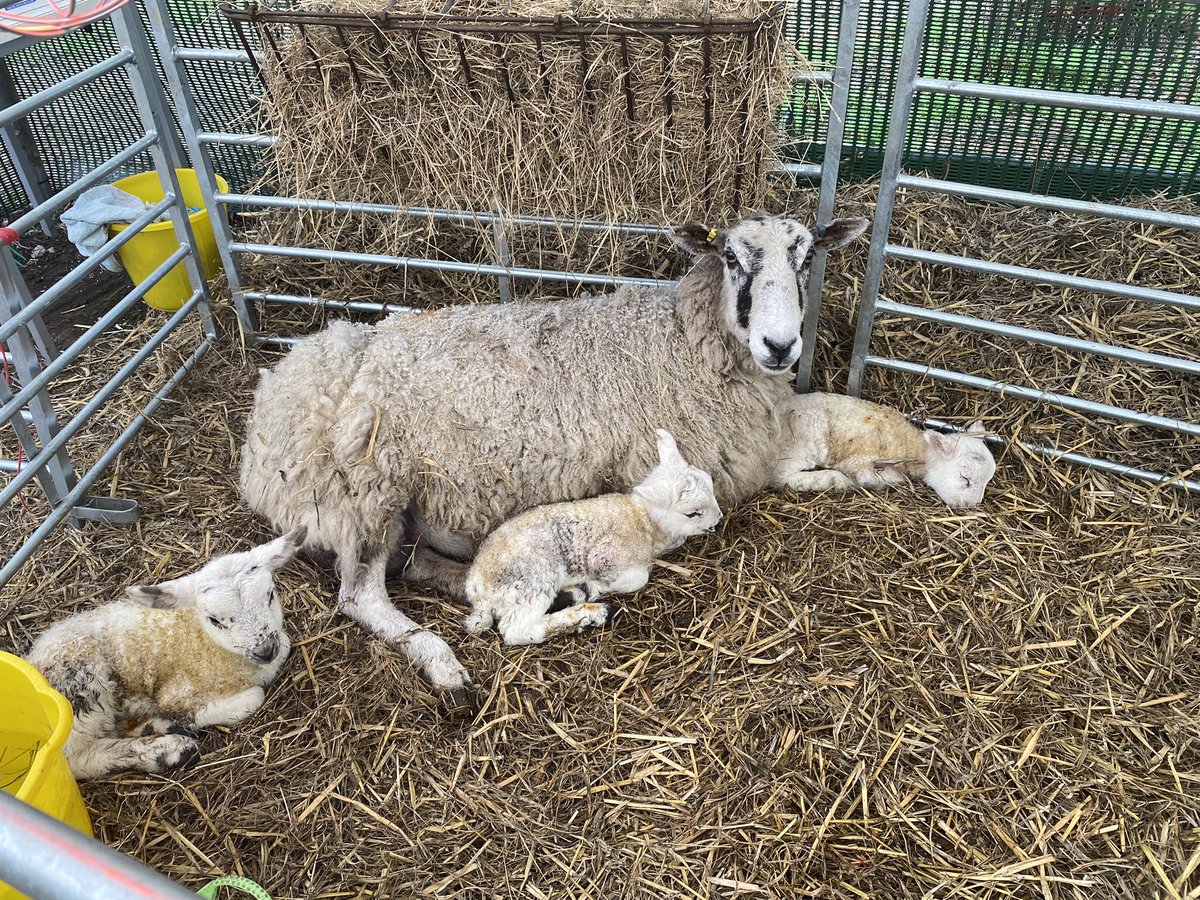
{"type": "Point", "coordinates": [835, 696]}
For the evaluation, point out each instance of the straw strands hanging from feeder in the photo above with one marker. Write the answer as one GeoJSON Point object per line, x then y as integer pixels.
{"type": "Point", "coordinates": [654, 112]}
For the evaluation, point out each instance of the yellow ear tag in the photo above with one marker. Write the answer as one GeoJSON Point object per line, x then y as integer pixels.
{"type": "Point", "coordinates": [711, 236]}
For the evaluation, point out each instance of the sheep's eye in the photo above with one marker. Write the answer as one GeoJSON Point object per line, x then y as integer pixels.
{"type": "Point", "coordinates": [252, 569]}
{"type": "Point", "coordinates": [692, 515]}
{"type": "Point", "coordinates": [967, 481]}
{"type": "Point", "coordinates": [730, 257]}
{"type": "Point", "coordinates": [216, 623]}
{"type": "Point", "coordinates": [274, 596]}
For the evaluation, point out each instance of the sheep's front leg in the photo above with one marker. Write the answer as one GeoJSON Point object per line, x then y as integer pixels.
{"type": "Point", "coordinates": [230, 710]}
{"type": "Point", "coordinates": [819, 480]}
{"type": "Point", "coordinates": [363, 597]}
{"type": "Point", "coordinates": [440, 572]}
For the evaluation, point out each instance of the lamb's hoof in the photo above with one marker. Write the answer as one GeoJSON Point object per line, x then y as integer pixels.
{"type": "Point", "coordinates": [611, 611]}
{"type": "Point", "coordinates": [190, 757]}
{"type": "Point", "coordinates": [562, 600]}
{"type": "Point", "coordinates": [188, 731]}
{"type": "Point", "coordinates": [175, 751]}
{"type": "Point", "coordinates": [459, 698]}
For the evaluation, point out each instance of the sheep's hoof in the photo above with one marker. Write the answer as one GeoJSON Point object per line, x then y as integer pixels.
{"type": "Point", "coordinates": [189, 757]}
{"type": "Point", "coordinates": [185, 730]}
{"type": "Point", "coordinates": [458, 698]}
{"type": "Point", "coordinates": [611, 611]}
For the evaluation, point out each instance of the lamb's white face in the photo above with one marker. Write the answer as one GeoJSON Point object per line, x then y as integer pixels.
{"type": "Point", "coordinates": [959, 466]}
{"type": "Point", "coordinates": [766, 262]}
{"type": "Point", "coordinates": [680, 496]}
{"type": "Point", "coordinates": [236, 602]}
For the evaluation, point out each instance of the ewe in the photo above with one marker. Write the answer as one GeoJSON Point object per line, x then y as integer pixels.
{"type": "Point", "coordinates": [182, 655]}
{"type": "Point", "coordinates": [606, 544]}
{"type": "Point", "coordinates": [840, 442]}
{"type": "Point", "coordinates": [447, 424]}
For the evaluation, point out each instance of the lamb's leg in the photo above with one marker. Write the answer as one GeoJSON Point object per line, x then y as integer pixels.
{"type": "Point", "coordinates": [819, 480]}
{"type": "Point", "coordinates": [442, 573]}
{"type": "Point", "coordinates": [527, 624]}
{"type": "Point", "coordinates": [363, 597]}
{"type": "Point", "coordinates": [232, 709]}
{"type": "Point", "coordinates": [163, 725]}
{"type": "Point", "coordinates": [93, 752]}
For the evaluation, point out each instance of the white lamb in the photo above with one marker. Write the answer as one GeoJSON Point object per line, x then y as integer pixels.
{"type": "Point", "coordinates": [604, 544]}
{"type": "Point", "coordinates": [169, 659]}
{"type": "Point", "coordinates": [839, 442]}
{"type": "Point", "coordinates": [460, 418]}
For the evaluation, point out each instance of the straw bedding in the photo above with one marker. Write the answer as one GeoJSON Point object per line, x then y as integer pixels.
{"type": "Point", "coordinates": [855, 696]}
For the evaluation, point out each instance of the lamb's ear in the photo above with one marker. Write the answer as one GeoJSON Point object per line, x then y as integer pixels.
{"type": "Point", "coordinates": [977, 427]}
{"type": "Point", "coordinates": [168, 595]}
{"type": "Point", "coordinates": [943, 444]}
{"type": "Point", "coordinates": [839, 233]}
{"type": "Point", "coordinates": [668, 451]}
{"type": "Point", "coordinates": [282, 549]}
{"type": "Point", "coordinates": [698, 239]}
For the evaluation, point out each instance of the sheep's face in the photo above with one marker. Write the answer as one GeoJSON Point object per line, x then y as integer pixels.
{"type": "Point", "coordinates": [235, 599]}
{"type": "Point", "coordinates": [680, 497]}
{"type": "Point", "coordinates": [766, 262]}
{"type": "Point", "coordinates": [959, 466]}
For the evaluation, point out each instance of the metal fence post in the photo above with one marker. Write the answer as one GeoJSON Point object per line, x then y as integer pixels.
{"type": "Point", "coordinates": [189, 121]}
{"type": "Point", "coordinates": [830, 168]}
{"type": "Point", "coordinates": [156, 118]}
{"type": "Point", "coordinates": [906, 76]}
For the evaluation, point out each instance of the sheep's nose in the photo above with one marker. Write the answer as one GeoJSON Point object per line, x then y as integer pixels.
{"type": "Point", "coordinates": [717, 525]}
{"type": "Point", "coordinates": [779, 352]}
{"type": "Point", "coordinates": [266, 651]}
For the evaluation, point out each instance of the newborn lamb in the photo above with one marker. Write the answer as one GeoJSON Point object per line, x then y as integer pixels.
{"type": "Point", "coordinates": [606, 544]}
{"type": "Point", "coordinates": [832, 441]}
{"type": "Point", "coordinates": [179, 656]}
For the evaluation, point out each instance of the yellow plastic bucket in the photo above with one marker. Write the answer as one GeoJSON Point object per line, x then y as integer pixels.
{"type": "Point", "coordinates": [34, 723]}
{"type": "Point", "coordinates": [146, 251]}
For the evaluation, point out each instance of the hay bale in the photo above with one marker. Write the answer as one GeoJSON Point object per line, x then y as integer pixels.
{"type": "Point", "coordinates": [609, 111]}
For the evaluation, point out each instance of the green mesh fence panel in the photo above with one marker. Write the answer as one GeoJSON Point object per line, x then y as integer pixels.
{"type": "Point", "coordinates": [1131, 48]}
{"type": "Point", "coordinates": [1149, 49]}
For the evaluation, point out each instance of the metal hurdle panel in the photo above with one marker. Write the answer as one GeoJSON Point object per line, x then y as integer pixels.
{"type": "Point", "coordinates": [34, 361]}
{"type": "Point", "coordinates": [909, 84]}
{"type": "Point", "coordinates": [200, 144]}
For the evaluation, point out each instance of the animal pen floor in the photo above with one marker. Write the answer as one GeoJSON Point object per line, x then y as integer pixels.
{"type": "Point", "coordinates": [835, 696]}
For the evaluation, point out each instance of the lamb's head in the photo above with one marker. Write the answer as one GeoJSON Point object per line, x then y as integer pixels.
{"type": "Point", "coordinates": [234, 597]}
{"type": "Point", "coordinates": [766, 262]}
{"type": "Point", "coordinates": [679, 496]}
{"type": "Point", "coordinates": [959, 466]}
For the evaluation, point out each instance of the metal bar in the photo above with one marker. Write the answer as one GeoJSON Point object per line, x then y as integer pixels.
{"type": "Point", "coordinates": [439, 214]}
{"type": "Point", "coordinates": [1076, 404]}
{"type": "Point", "coordinates": [1080, 459]}
{"type": "Point", "coordinates": [830, 168]}
{"type": "Point", "coordinates": [54, 472]}
{"type": "Point", "coordinates": [155, 115]}
{"type": "Point", "coordinates": [439, 265]}
{"type": "Point", "coordinates": [46, 299]}
{"type": "Point", "coordinates": [906, 75]}
{"type": "Point", "coordinates": [91, 179]}
{"type": "Point", "coordinates": [322, 303]}
{"type": "Point", "coordinates": [1049, 339]}
{"type": "Point", "coordinates": [213, 54]}
{"type": "Point", "coordinates": [243, 140]}
{"type": "Point", "coordinates": [1130, 291]}
{"type": "Point", "coordinates": [22, 149]}
{"type": "Point", "coordinates": [41, 98]}
{"type": "Point", "coordinates": [81, 343]}
{"type": "Point", "coordinates": [278, 341]}
{"type": "Point", "coordinates": [1128, 105]}
{"type": "Point", "coordinates": [802, 170]}
{"type": "Point", "coordinates": [504, 283]}
{"type": "Point", "coordinates": [1061, 204]}
{"type": "Point", "coordinates": [100, 398]}
{"type": "Point", "coordinates": [163, 31]}
{"type": "Point", "coordinates": [43, 857]}
{"type": "Point", "coordinates": [817, 77]}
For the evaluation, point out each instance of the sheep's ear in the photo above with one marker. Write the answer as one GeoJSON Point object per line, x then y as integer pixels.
{"type": "Point", "coordinates": [282, 549]}
{"type": "Point", "coordinates": [668, 451]}
{"type": "Point", "coordinates": [976, 427]}
{"type": "Point", "coordinates": [839, 233]}
{"type": "Point", "coordinates": [941, 443]}
{"type": "Point", "coordinates": [168, 595]}
{"type": "Point", "coordinates": [698, 239]}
